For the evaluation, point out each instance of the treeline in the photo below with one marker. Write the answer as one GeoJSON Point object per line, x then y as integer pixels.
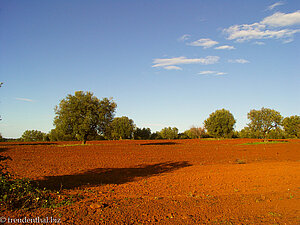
{"type": "Point", "coordinates": [84, 117]}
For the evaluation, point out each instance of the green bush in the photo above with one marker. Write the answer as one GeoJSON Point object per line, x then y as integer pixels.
{"type": "Point", "coordinates": [23, 193]}
{"type": "Point", "coordinates": [20, 193]}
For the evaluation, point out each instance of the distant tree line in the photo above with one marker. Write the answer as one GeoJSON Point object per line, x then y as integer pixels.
{"type": "Point", "coordinates": [84, 117]}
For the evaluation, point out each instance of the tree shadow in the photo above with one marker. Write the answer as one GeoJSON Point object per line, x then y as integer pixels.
{"type": "Point", "coordinates": [161, 143]}
{"type": "Point", "coordinates": [3, 149]}
{"type": "Point", "coordinates": [29, 143]}
{"type": "Point", "coordinates": [102, 176]}
{"type": "Point", "coordinates": [3, 158]}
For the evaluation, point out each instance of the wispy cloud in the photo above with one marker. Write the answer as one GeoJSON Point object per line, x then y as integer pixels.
{"type": "Point", "coordinates": [259, 43]}
{"type": "Point", "coordinates": [242, 61]}
{"type": "Point", "coordinates": [172, 63]}
{"type": "Point", "coordinates": [282, 19]}
{"type": "Point", "coordinates": [24, 99]}
{"type": "Point", "coordinates": [173, 68]}
{"type": "Point", "coordinates": [266, 28]}
{"type": "Point", "coordinates": [271, 7]}
{"type": "Point", "coordinates": [184, 37]}
{"type": "Point", "coordinates": [204, 42]}
{"type": "Point", "coordinates": [210, 72]}
{"type": "Point", "coordinates": [225, 47]}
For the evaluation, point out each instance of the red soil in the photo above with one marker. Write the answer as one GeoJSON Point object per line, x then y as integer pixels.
{"type": "Point", "coordinates": [165, 182]}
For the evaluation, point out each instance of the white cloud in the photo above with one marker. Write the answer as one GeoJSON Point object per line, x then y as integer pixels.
{"type": "Point", "coordinates": [24, 99]}
{"type": "Point", "coordinates": [243, 61]}
{"type": "Point", "coordinates": [245, 32]}
{"type": "Point", "coordinates": [265, 28]}
{"type": "Point", "coordinates": [281, 19]}
{"type": "Point", "coordinates": [208, 72]}
{"type": "Point", "coordinates": [171, 62]}
{"type": "Point", "coordinates": [172, 68]}
{"type": "Point", "coordinates": [204, 42]}
{"type": "Point", "coordinates": [220, 73]}
{"type": "Point", "coordinates": [259, 43]}
{"type": "Point", "coordinates": [271, 7]}
{"type": "Point", "coordinates": [228, 47]}
{"type": "Point", "coordinates": [184, 37]}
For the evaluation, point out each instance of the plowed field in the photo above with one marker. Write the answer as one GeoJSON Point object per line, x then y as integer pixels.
{"type": "Point", "coordinates": [165, 182]}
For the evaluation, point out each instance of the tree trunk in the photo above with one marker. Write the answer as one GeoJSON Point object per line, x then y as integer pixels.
{"type": "Point", "coordinates": [84, 139]}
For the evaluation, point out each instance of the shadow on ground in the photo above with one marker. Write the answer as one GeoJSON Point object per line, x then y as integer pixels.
{"type": "Point", "coordinates": [102, 176]}
{"type": "Point", "coordinates": [29, 143]}
{"type": "Point", "coordinates": [161, 143]}
{"type": "Point", "coordinates": [3, 149]}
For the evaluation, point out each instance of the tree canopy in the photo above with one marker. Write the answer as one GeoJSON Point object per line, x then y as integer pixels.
{"type": "Point", "coordinates": [33, 135]}
{"type": "Point", "coordinates": [142, 133]}
{"type": "Point", "coordinates": [121, 128]}
{"type": "Point", "coordinates": [220, 124]}
{"type": "Point", "coordinates": [83, 114]}
{"type": "Point", "coordinates": [263, 121]}
{"type": "Point", "coordinates": [169, 133]}
{"type": "Point", "coordinates": [195, 132]}
{"type": "Point", "coordinates": [292, 126]}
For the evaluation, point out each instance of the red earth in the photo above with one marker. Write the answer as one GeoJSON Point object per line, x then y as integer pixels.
{"type": "Point", "coordinates": [164, 181]}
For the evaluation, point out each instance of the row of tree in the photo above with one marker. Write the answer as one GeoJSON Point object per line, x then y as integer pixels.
{"type": "Point", "coordinates": [83, 116]}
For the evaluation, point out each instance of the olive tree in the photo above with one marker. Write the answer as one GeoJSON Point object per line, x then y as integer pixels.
{"type": "Point", "coordinates": [195, 132]}
{"type": "Point", "coordinates": [292, 126]}
{"type": "Point", "coordinates": [220, 124]}
{"type": "Point", "coordinates": [142, 133]}
{"type": "Point", "coordinates": [83, 114]}
{"type": "Point", "coordinates": [263, 121]}
{"type": "Point", "coordinates": [33, 135]}
{"type": "Point", "coordinates": [169, 133]}
{"type": "Point", "coordinates": [121, 128]}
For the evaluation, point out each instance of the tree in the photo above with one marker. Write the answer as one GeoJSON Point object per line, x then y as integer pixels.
{"type": "Point", "coordinates": [58, 135]}
{"type": "Point", "coordinates": [155, 136]}
{"type": "Point", "coordinates": [33, 135]}
{"type": "Point", "coordinates": [142, 134]}
{"type": "Point", "coordinates": [245, 133]}
{"type": "Point", "coordinates": [220, 124]}
{"type": "Point", "coordinates": [169, 133]}
{"type": "Point", "coordinates": [83, 114]}
{"type": "Point", "coordinates": [195, 132]}
{"type": "Point", "coordinates": [292, 126]}
{"type": "Point", "coordinates": [121, 128]}
{"type": "Point", "coordinates": [263, 121]}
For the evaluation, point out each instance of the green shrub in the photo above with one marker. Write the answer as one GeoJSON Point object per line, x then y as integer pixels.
{"type": "Point", "coordinates": [23, 193]}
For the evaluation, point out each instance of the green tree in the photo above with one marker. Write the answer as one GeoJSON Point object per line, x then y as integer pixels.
{"type": "Point", "coordinates": [58, 135]}
{"type": "Point", "coordinates": [121, 128]}
{"type": "Point", "coordinates": [245, 133]}
{"type": "Point", "coordinates": [142, 134]}
{"type": "Point", "coordinates": [263, 121]}
{"type": "Point", "coordinates": [195, 132]}
{"type": "Point", "coordinates": [169, 133]}
{"type": "Point", "coordinates": [220, 124]}
{"type": "Point", "coordinates": [83, 114]}
{"type": "Point", "coordinates": [292, 126]}
{"type": "Point", "coordinates": [33, 135]}
{"type": "Point", "coordinates": [155, 136]}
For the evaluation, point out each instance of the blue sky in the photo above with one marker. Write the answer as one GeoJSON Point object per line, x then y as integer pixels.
{"type": "Point", "coordinates": [165, 63]}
